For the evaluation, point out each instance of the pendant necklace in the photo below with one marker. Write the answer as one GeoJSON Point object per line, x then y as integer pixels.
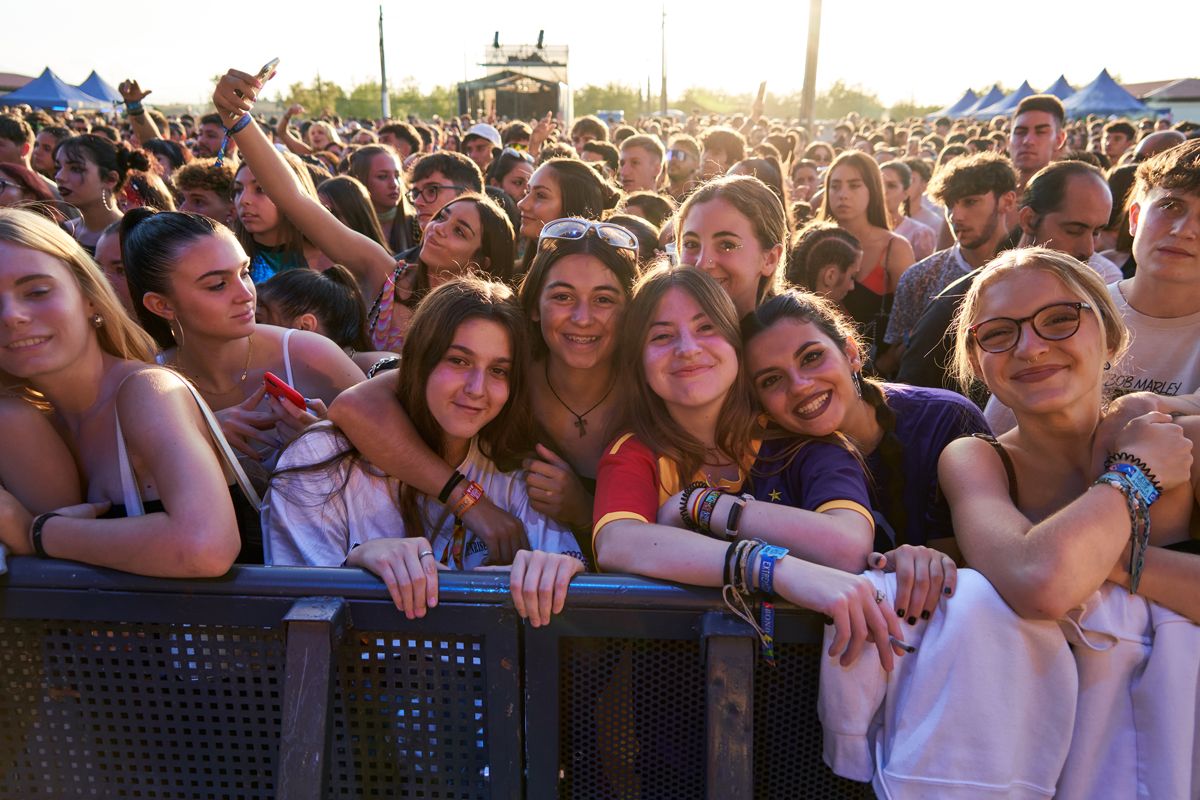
{"type": "Point", "coordinates": [580, 421]}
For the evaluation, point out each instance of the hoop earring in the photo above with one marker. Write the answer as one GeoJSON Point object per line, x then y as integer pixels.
{"type": "Point", "coordinates": [104, 195]}
{"type": "Point", "coordinates": [96, 320]}
{"type": "Point", "coordinates": [178, 337]}
{"type": "Point", "coordinates": [856, 379]}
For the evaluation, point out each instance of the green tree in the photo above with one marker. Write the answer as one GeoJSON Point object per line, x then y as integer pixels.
{"type": "Point", "coordinates": [319, 98]}
{"type": "Point", "coordinates": [839, 100]}
{"type": "Point", "coordinates": [613, 97]}
{"type": "Point", "coordinates": [902, 111]}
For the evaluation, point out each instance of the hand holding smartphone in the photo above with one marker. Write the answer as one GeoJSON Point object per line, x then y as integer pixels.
{"type": "Point", "coordinates": [278, 388]}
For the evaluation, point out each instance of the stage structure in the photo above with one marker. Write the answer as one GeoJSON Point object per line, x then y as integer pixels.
{"type": "Point", "coordinates": [521, 81]}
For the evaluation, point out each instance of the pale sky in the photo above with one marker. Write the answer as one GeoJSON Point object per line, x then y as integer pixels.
{"type": "Point", "coordinates": [930, 54]}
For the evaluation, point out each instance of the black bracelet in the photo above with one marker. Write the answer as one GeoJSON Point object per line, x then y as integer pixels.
{"type": "Point", "coordinates": [684, 498]}
{"type": "Point", "coordinates": [735, 516]}
{"type": "Point", "coordinates": [35, 533]}
{"type": "Point", "coordinates": [727, 575]}
{"type": "Point", "coordinates": [1130, 458]}
{"type": "Point", "coordinates": [455, 480]}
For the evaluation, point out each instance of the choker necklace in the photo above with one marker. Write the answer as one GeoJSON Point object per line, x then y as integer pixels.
{"type": "Point", "coordinates": [580, 422]}
{"type": "Point", "coordinates": [241, 380]}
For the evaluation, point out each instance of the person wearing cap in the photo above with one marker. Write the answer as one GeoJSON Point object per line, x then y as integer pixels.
{"type": "Point", "coordinates": [480, 144]}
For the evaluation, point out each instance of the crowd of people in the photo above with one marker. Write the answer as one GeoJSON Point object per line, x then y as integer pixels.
{"type": "Point", "coordinates": [923, 377]}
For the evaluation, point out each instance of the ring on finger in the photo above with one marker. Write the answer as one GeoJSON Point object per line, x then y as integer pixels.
{"type": "Point", "coordinates": [879, 596]}
{"type": "Point", "coordinates": [424, 553]}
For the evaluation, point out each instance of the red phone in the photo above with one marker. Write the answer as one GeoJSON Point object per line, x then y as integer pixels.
{"type": "Point", "coordinates": [278, 388]}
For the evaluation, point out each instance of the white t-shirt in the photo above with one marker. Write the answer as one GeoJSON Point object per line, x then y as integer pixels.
{"type": "Point", "coordinates": [315, 517]}
{"type": "Point", "coordinates": [1163, 357]}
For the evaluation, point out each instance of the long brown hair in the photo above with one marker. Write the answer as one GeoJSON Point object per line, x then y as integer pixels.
{"type": "Point", "coordinates": [643, 411]}
{"type": "Point", "coordinates": [868, 170]}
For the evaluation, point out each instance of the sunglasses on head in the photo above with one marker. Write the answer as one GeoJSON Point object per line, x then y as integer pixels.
{"type": "Point", "coordinates": [571, 228]}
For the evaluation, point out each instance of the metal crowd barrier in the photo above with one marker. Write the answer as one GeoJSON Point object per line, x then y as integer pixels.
{"type": "Point", "coordinates": [308, 683]}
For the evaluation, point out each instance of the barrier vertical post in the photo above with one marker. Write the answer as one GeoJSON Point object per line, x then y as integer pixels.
{"type": "Point", "coordinates": [315, 626]}
{"type": "Point", "coordinates": [729, 713]}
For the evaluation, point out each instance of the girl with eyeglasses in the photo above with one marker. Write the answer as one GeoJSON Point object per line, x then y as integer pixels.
{"type": "Point", "coordinates": [574, 297]}
{"type": "Point", "coordinates": [465, 394]}
{"type": "Point", "coordinates": [1056, 514]}
{"type": "Point", "coordinates": [469, 233]}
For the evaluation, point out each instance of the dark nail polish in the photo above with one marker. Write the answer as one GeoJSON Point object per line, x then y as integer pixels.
{"type": "Point", "coordinates": [900, 613]}
{"type": "Point", "coordinates": [912, 620]}
{"type": "Point", "coordinates": [924, 615]}
{"type": "Point", "coordinates": [946, 590]}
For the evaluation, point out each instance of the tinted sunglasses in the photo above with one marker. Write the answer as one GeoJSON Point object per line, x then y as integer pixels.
{"type": "Point", "coordinates": [571, 228]}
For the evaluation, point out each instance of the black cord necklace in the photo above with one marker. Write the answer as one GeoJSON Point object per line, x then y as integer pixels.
{"type": "Point", "coordinates": [580, 422]}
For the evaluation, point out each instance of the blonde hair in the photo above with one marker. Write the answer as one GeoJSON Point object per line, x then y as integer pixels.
{"type": "Point", "coordinates": [1079, 278]}
{"type": "Point", "coordinates": [119, 335]}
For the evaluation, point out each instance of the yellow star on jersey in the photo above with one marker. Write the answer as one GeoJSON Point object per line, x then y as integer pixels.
{"type": "Point", "coordinates": [775, 495]}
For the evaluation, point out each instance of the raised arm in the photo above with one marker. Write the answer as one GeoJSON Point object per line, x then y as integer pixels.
{"type": "Point", "coordinates": [197, 535]}
{"type": "Point", "coordinates": [284, 132]}
{"type": "Point", "coordinates": [370, 263]}
{"type": "Point", "coordinates": [376, 424]}
{"type": "Point", "coordinates": [143, 124]}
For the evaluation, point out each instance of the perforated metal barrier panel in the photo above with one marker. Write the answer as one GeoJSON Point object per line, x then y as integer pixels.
{"type": "Point", "coordinates": [220, 684]}
{"type": "Point", "coordinates": [92, 710]}
{"type": "Point", "coordinates": [410, 718]}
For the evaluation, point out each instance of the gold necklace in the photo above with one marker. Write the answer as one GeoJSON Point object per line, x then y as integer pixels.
{"type": "Point", "coordinates": [241, 380]}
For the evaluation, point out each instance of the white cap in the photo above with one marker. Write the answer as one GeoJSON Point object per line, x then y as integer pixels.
{"type": "Point", "coordinates": [484, 131]}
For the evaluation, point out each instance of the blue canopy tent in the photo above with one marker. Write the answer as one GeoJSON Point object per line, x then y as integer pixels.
{"type": "Point", "coordinates": [49, 91]}
{"type": "Point", "coordinates": [1060, 88]}
{"type": "Point", "coordinates": [1104, 96]}
{"type": "Point", "coordinates": [1008, 104]}
{"type": "Point", "coordinates": [954, 109]}
{"type": "Point", "coordinates": [994, 95]}
{"type": "Point", "coordinates": [98, 87]}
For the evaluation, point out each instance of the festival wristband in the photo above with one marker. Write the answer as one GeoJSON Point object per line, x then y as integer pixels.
{"type": "Point", "coordinates": [1141, 483]}
{"type": "Point", "coordinates": [471, 495]}
{"type": "Point", "coordinates": [766, 567]}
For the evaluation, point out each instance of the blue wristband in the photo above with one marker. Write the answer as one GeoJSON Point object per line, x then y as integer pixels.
{"type": "Point", "coordinates": [1141, 483]}
{"type": "Point", "coordinates": [241, 123]}
{"type": "Point", "coordinates": [766, 567]}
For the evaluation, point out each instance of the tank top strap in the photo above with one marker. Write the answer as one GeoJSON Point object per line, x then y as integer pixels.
{"type": "Point", "coordinates": [287, 357]}
{"type": "Point", "coordinates": [1005, 459]}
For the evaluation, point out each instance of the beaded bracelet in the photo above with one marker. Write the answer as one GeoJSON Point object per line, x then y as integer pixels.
{"type": "Point", "coordinates": [707, 504]}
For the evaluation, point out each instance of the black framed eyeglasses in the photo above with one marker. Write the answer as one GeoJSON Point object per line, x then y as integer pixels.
{"type": "Point", "coordinates": [430, 191]}
{"type": "Point", "coordinates": [1053, 323]}
{"type": "Point", "coordinates": [573, 229]}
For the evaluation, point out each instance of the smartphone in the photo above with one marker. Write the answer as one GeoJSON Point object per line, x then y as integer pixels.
{"type": "Point", "coordinates": [278, 388]}
{"type": "Point", "coordinates": [268, 69]}
{"type": "Point", "coordinates": [762, 93]}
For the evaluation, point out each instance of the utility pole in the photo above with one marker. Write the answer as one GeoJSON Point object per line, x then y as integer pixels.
{"type": "Point", "coordinates": [809, 96]}
{"type": "Point", "coordinates": [663, 97]}
{"type": "Point", "coordinates": [385, 102]}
